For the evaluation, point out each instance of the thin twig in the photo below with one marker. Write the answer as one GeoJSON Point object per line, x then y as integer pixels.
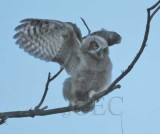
{"type": "Point", "coordinates": [52, 78]}
{"type": "Point", "coordinates": [154, 6]}
{"type": "Point", "coordinates": [46, 88]}
{"type": "Point", "coordinates": [152, 15]}
{"type": "Point", "coordinates": [89, 31]}
{"type": "Point", "coordinates": [3, 120]}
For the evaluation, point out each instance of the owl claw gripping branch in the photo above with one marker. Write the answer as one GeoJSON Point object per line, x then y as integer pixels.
{"type": "Point", "coordinates": [86, 59]}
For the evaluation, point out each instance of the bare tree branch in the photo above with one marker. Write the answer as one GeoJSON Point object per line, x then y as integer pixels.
{"type": "Point", "coordinates": [42, 112]}
{"type": "Point", "coordinates": [149, 17]}
{"type": "Point", "coordinates": [39, 112]}
{"type": "Point", "coordinates": [155, 11]}
{"type": "Point", "coordinates": [46, 88]}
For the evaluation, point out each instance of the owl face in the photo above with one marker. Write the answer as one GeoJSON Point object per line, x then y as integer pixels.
{"type": "Point", "coordinates": [95, 46]}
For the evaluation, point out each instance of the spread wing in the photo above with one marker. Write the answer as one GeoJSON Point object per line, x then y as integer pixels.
{"type": "Point", "coordinates": [110, 36]}
{"type": "Point", "coordinates": [50, 40]}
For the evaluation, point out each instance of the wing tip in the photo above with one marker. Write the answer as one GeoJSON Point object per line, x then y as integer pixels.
{"type": "Point", "coordinates": [17, 35]}
{"type": "Point", "coordinates": [27, 20]}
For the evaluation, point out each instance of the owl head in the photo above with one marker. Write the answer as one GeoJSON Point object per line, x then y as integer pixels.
{"type": "Point", "coordinates": [95, 46]}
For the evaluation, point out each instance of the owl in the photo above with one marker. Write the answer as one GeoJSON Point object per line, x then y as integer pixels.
{"type": "Point", "coordinates": [85, 59]}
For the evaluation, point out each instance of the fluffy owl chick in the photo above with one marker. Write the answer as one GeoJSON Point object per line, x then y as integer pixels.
{"type": "Point", "coordinates": [93, 73]}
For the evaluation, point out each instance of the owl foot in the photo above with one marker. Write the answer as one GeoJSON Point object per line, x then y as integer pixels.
{"type": "Point", "coordinates": [92, 93]}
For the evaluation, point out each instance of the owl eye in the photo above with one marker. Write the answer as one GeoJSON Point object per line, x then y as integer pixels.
{"type": "Point", "coordinates": [93, 45]}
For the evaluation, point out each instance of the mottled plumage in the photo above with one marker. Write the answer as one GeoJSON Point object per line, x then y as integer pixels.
{"type": "Point", "coordinates": [86, 59]}
{"type": "Point", "coordinates": [92, 75]}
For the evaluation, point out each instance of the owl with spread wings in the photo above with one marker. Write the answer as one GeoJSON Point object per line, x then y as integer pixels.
{"type": "Point", "coordinates": [86, 59]}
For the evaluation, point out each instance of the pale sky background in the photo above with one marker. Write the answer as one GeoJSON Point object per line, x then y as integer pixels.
{"type": "Point", "coordinates": [22, 77]}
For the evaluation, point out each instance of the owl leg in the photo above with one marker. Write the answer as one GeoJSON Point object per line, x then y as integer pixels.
{"type": "Point", "coordinates": [67, 88]}
{"type": "Point", "coordinates": [75, 92]}
{"type": "Point", "coordinates": [82, 98]}
{"type": "Point", "coordinates": [70, 91]}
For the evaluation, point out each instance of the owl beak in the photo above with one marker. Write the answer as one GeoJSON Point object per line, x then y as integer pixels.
{"type": "Point", "coordinates": [101, 51]}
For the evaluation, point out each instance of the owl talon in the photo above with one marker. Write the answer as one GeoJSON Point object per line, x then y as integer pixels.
{"type": "Point", "coordinates": [92, 93]}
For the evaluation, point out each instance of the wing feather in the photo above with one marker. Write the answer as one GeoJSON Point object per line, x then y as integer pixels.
{"type": "Point", "coordinates": [50, 40]}
{"type": "Point", "coordinates": [110, 36]}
